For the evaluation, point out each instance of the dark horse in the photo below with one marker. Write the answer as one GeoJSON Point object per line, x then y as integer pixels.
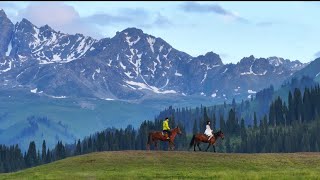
{"type": "Point", "coordinates": [197, 138]}
{"type": "Point", "coordinates": [155, 136]}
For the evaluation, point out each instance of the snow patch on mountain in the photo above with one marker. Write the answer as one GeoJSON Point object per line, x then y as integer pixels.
{"type": "Point", "coordinates": [9, 49]}
{"type": "Point", "coordinates": [158, 59]}
{"type": "Point", "coordinates": [161, 47]}
{"type": "Point", "coordinates": [56, 58]}
{"type": "Point", "coordinates": [128, 74]}
{"type": "Point", "coordinates": [151, 88]}
{"type": "Point", "coordinates": [251, 91]}
{"type": "Point", "coordinates": [58, 97]}
{"type": "Point", "coordinates": [154, 67]}
{"type": "Point", "coordinates": [123, 66]}
{"type": "Point", "coordinates": [151, 42]}
{"type": "Point", "coordinates": [251, 72]}
{"type": "Point", "coordinates": [131, 43]}
{"type": "Point", "coordinates": [109, 99]}
{"type": "Point", "coordinates": [166, 55]}
{"type": "Point", "coordinates": [225, 70]}
{"type": "Point", "coordinates": [9, 66]}
{"type": "Point", "coordinates": [204, 77]}
{"type": "Point", "coordinates": [22, 58]}
{"type": "Point", "coordinates": [34, 90]}
{"type": "Point", "coordinates": [177, 74]}
{"type": "Point", "coordinates": [109, 64]}
{"type": "Point", "coordinates": [93, 75]}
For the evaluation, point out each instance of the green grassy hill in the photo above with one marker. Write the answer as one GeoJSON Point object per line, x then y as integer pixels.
{"type": "Point", "coordinates": [177, 165]}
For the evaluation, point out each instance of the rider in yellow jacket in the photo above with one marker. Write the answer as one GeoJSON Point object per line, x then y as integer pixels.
{"type": "Point", "coordinates": [166, 127]}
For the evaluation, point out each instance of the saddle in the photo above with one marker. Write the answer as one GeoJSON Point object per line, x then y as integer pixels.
{"type": "Point", "coordinates": [164, 133]}
{"type": "Point", "coordinates": [208, 137]}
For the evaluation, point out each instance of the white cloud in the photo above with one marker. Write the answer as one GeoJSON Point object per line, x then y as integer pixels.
{"type": "Point", "coordinates": [52, 13]}
{"type": "Point", "coordinates": [59, 16]}
{"type": "Point", "coordinates": [212, 8]}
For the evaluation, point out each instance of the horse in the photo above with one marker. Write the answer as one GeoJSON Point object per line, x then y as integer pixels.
{"type": "Point", "coordinates": [155, 136]}
{"type": "Point", "coordinates": [197, 138]}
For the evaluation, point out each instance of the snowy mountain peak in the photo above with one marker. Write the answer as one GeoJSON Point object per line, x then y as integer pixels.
{"type": "Point", "coordinates": [46, 45]}
{"type": "Point", "coordinates": [132, 31]}
{"type": "Point", "coordinates": [247, 60]}
{"type": "Point", "coordinates": [4, 19]}
{"type": "Point", "coordinates": [210, 58]}
{"type": "Point", "coordinates": [276, 61]}
{"type": "Point", "coordinates": [2, 13]}
{"type": "Point", "coordinates": [46, 28]}
{"type": "Point", "coordinates": [25, 21]}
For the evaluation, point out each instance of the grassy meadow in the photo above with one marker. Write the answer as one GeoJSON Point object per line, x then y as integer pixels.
{"type": "Point", "coordinates": [177, 165]}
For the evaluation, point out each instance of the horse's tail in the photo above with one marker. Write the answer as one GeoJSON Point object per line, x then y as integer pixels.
{"type": "Point", "coordinates": [149, 141]}
{"type": "Point", "coordinates": [192, 141]}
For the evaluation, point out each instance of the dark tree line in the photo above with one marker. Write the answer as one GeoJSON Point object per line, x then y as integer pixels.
{"type": "Point", "coordinates": [289, 127]}
{"type": "Point", "coordinates": [13, 159]}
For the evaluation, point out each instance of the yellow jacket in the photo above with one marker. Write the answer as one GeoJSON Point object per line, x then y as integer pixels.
{"type": "Point", "coordinates": [166, 125]}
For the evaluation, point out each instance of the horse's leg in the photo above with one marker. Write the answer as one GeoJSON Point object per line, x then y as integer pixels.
{"type": "Point", "coordinates": [214, 148]}
{"type": "Point", "coordinates": [148, 147]}
{"type": "Point", "coordinates": [194, 145]}
{"type": "Point", "coordinates": [169, 145]}
{"type": "Point", "coordinates": [156, 145]}
{"type": "Point", "coordinates": [149, 142]}
{"type": "Point", "coordinates": [172, 145]}
{"type": "Point", "coordinates": [208, 146]}
{"type": "Point", "coordinates": [199, 146]}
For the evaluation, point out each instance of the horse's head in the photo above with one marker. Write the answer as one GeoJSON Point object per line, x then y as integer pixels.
{"type": "Point", "coordinates": [220, 134]}
{"type": "Point", "coordinates": [178, 130]}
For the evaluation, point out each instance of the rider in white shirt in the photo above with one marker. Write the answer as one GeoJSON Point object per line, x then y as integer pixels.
{"type": "Point", "coordinates": [208, 131]}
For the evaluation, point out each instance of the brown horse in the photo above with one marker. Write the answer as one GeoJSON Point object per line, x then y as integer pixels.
{"type": "Point", "coordinates": [197, 138]}
{"type": "Point", "coordinates": [155, 136]}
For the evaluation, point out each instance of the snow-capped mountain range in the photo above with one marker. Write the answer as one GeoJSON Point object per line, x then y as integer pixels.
{"type": "Point", "coordinates": [128, 66]}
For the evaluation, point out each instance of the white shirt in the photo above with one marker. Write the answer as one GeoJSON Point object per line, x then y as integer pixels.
{"type": "Point", "coordinates": [208, 131]}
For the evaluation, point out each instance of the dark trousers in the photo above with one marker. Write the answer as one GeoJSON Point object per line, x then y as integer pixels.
{"type": "Point", "coordinates": [167, 131]}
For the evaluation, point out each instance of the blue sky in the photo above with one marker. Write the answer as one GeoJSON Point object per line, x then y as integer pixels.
{"type": "Point", "coordinates": [231, 29]}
